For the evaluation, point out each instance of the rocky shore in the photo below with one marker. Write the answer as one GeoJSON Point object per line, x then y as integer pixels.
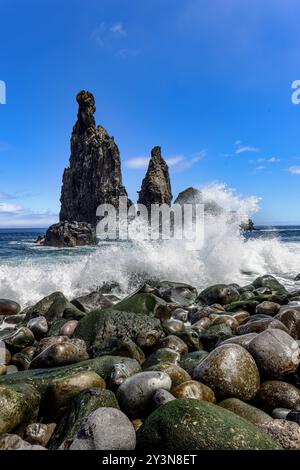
{"type": "Point", "coordinates": [166, 368]}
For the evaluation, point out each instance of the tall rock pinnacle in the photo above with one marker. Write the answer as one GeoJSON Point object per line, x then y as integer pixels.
{"type": "Point", "coordinates": [94, 175]}
{"type": "Point", "coordinates": [156, 186]}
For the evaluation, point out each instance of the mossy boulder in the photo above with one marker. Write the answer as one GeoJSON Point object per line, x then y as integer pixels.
{"type": "Point", "coordinates": [246, 411]}
{"type": "Point", "coordinates": [19, 405]}
{"type": "Point", "coordinates": [81, 407]}
{"type": "Point", "coordinates": [219, 294]}
{"type": "Point", "coordinates": [98, 328]}
{"type": "Point", "coordinates": [146, 303]}
{"type": "Point", "coordinates": [40, 378]}
{"type": "Point", "coordinates": [186, 424]}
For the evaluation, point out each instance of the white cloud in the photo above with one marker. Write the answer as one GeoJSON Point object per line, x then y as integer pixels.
{"type": "Point", "coordinates": [260, 168]}
{"type": "Point", "coordinates": [137, 162]}
{"type": "Point", "coordinates": [128, 53]}
{"type": "Point", "coordinates": [7, 207]}
{"type": "Point", "coordinates": [246, 148]}
{"type": "Point", "coordinates": [179, 162]}
{"type": "Point", "coordinates": [294, 170]}
{"type": "Point", "coordinates": [174, 160]}
{"type": "Point", "coordinates": [273, 160]}
{"type": "Point", "coordinates": [117, 28]}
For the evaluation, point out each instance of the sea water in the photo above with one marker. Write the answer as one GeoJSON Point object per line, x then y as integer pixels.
{"type": "Point", "coordinates": [28, 271]}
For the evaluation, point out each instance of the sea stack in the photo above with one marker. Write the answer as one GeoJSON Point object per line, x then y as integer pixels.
{"type": "Point", "coordinates": [93, 178]}
{"type": "Point", "coordinates": [94, 175]}
{"type": "Point", "coordinates": [156, 186]}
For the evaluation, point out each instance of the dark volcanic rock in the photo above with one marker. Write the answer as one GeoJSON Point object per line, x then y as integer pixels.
{"type": "Point", "coordinates": [70, 234]}
{"type": "Point", "coordinates": [156, 186]}
{"type": "Point", "coordinates": [94, 175]}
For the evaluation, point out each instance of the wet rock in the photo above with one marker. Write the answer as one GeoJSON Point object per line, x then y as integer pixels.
{"type": "Point", "coordinates": [2, 369]}
{"type": "Point", "coordinates": [294, 414]}
{"type": "Point", "coordinates": [9, 307]}
{"type": "Point", "coordinates": [148, 340]}
{"type": "Point", "coordinates": [135, 392]}
{"type": "Point", "coordinates": [14, 319]}
{"type": "Point", "coordinates": [286, 433]}
{"type": "Point", "coordinates": [19, 406]}
{"type": "Point", "coordinates": [94, 300]}
{"type": "Point", "coordinates": [164, 355]}
{"type": "Point", "coordinates": [202, 325]}
{"type": "Point", "coordinates": [14, 442]}
{"type": "Point", "coordinates": [99, 326]}
{"type": "Point", "coordinates": [85, 403]}
{"type": "Point", "coordinates": [277, 394]}
{"type": "Point", "coordinates": [123, 347]}
{"type": "Point", "coordinates": [156, 186]}
{"type": "Point", "coordinates": [161, 397]}
{"type": "Point", "coordinates": [70, 234]}
{"type": "Point", "coordinates": [105, 429]}
{"type": "Point", "coordinates": [279, 293]}
{"type": "Point", "coordinates": [120, 372]}
{"type": "Point", "coordinates": [260, 325]}
{"type": "Point", "coordinates": [20, 339]}
{"type": "Point", "coordinates": [60, 355]}
{"type": "Point", "coordinates": [275, 352]}
{"type": "Point", "coordinates": [230, 371]}
{"type": "Point", "coordinates": [191, 360]}
{"type": "Point", "coordinates": [174, 371]}
{"type": "Point", "coordinates": [194, 389]}
{"type": "Point", "coordinates": [175, 292]}
{"type": "Point", "coordinates": [146, 303]}
{"type": "Point", "coordinates": [39, 433]}
{"type": "Point", "coordinates": [38, 326]}
{"type": "Point", "coordinates": [180, 314]}
{"type": "Point", "coordinates": [244, 305]}
{"type": "Point", "coordinates": [94, 175]}
{"type": "Point", "coordinates": [173, 342]}
{"type": "Point", "coordinates": [214, 335]}
{"type": "Point", "coordinates": [68, 328]}
{"type": "Point", "coordinates": [220, 293]}
{"type": "Point", "coordinates": [242, 340]}
{"type": "Point", "coordinates": [267, 308]}
{"type": "Point", "coordinates": [61, 391]}
{"type": "Point", "coordinates": [185, 423]}
{"type": "Point", "coordinates": [173, 327]}
{"type": "Point", "coordinates": [23, 358]}
{"type": "Point", "coordinates": [226, 320]}
{"type": "Point", "coordinates": [291, 319]}
{"type": "Point", "coordinates": [246, 411]}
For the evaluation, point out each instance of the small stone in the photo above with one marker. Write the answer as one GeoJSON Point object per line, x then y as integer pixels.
{"type": "Point", "coordinates": [9, 307]}
{"type": "Point", "coordinates": [105, 429]}
{"type": "Point", "coordinates": [39, 433]}
{"type": "Point", "coordinates": [68, 328]}
{"type": "Point", "coordinates": [277, 394]}
{"type": "Point", "coordinates": [14, 442]}
{"type": "Point", "coordinates": [38, 326]}
{"type": "Point", "coordinates": [246, 411]}
{"type": "Point", "coordinates": [161, 397]}
{"type": "Point", "coordinates": [230, 371]}
{"type": "Point", "coordinates": [268, 308]}
{"type": "Point", "coordinates": [135, 392]}
{"type": "Point", "coordinates": [275, 352]}
{"type": "Point", "coordinates": [286, 433]}
{"type": "Point", "coordinates": [175, 343]}
{"type": "Point", "coordinates": [164, 355]}
{"type": "Point", "coordinates": [194, 389]}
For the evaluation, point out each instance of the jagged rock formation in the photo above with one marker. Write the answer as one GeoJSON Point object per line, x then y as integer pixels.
{"type": "Point", "coordinates": [70, 234]}
{"type": "Point", "coordinates": [156, 186]}
{"type": "Point", "coordinates": [94, 175]}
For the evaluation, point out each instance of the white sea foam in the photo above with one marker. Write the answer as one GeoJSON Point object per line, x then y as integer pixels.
{"type": "Point", "coordinates": [225, 257]}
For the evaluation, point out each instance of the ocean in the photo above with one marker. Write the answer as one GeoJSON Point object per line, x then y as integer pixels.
{"type": "Point", "coordinates": [28, 271]}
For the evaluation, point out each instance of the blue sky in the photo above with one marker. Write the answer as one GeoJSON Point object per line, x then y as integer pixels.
{"type": "Point", "coordinates": [207, 80]}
